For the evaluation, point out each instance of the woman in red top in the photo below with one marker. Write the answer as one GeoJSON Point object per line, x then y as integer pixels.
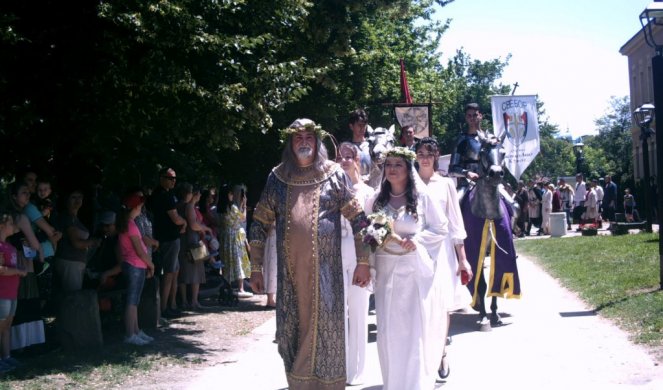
{"type": "Point", "coordinates": [9, 278]}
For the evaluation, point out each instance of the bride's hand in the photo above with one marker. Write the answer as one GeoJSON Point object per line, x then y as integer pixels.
{"type": "Point", "coordinates": [408, 244]}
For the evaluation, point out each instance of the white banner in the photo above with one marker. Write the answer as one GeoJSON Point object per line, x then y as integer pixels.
{"type": "Point", "coordinates": [415, 116]}
{"type": "Point", "coordinates": [515, 119]}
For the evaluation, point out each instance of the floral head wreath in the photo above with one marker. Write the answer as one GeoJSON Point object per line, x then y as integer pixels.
{"type": "Point", "coordinates": [303, 124]}
{"type": "Point", "coordinates": [403, 153]}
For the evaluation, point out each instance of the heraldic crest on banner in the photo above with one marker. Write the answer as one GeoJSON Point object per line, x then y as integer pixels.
{"type": "Point", "coordinates": [515, 120]}
{"type": "Point", "coordinates": [515, 123]}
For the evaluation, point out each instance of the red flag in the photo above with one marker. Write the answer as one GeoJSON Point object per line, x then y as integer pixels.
{"type": "Point", "coordinates": [405, 90]}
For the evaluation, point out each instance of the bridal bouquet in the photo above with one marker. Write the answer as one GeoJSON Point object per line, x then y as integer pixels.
{"type": "Point", "coordinates": [379, 228]}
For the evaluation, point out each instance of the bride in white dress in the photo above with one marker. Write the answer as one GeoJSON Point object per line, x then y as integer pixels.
{"type": "Point", "coordinates": [409, 303]}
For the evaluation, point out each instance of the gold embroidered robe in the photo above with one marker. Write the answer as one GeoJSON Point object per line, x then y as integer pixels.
{"type": "Point", "coordinates": [307, 210]}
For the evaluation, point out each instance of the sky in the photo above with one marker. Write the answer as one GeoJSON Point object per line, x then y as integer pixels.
{"type": "Point", "coordinates": [564, 51]}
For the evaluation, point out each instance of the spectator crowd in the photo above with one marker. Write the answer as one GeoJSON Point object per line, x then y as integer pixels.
{"type": "Point", "coordinates": [58, 241]}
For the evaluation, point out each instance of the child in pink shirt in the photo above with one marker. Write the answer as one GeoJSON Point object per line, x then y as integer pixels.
{"type": "Point", "coordinates": [9, 279]}
{"type": "Point", "coordinates": [136, 265]}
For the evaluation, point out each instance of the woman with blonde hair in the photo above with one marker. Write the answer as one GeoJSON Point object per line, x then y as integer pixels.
{"type": "Point", "coordinates": [356, 298]}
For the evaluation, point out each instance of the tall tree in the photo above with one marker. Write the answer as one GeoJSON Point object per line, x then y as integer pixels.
{"type": "Point", "coordinates": [614, 139]}
{"type": "Point", "coordinates": [125, 86]}
{"type": "Point", "coordinates": [144, 81]}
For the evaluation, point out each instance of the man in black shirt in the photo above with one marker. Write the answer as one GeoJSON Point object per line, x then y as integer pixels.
{"type": "Point", "coordinates": [168, 225]}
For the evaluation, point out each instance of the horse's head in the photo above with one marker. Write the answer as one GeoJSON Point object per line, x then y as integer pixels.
{"type": "Point", "coordinates": [381, 141]}
{"type": "Point", "coordinates": [485, 202]}
{"type": "Point", "coordinates": [492, 162]}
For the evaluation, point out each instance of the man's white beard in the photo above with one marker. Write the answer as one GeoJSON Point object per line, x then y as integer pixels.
{"type": "Point", "coordinates": [304, 152]}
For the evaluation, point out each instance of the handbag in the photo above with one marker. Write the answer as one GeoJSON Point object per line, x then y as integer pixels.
{"type": "Point", "coordinates": [199, 252]}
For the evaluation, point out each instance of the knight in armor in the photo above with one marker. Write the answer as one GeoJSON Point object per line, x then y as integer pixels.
{"type": "Point", "coordinates": [464, 163]}
{"type": "Point", "coordinates": [486, 232]}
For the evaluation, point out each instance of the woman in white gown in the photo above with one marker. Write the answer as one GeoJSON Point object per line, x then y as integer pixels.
{"type": "Point", "coordinates": [269, 269]}
{"type": "Point", "coordinates": [443, 190]}
{"type": "Point", "coordinates": [409, 302]}
{"type": "Point", "coordinates": [356, 298]}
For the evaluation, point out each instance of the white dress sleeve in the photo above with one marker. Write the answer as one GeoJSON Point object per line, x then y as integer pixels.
{"type": "Point", "coordinates": [435, 225]}
{"type": "Point", "coordinates": [452, 210]}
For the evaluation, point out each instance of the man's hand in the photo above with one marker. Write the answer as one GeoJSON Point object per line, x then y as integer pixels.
{"type": "Point", "coordinates": [472, 176]}
{"type": "Point", "coordinates": [362, 275]}
{"type": "Point", "coordinates": [257, 282]}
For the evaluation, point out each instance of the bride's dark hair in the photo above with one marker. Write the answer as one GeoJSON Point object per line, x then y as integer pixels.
{"type": "Point", "coordinates": [410, 192]}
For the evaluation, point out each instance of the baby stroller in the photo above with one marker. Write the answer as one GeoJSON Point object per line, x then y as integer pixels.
{"type": "Point", "coordinates": [226, 295]}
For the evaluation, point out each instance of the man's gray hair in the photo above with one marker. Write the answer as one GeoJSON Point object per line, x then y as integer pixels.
{"type": "Point", "coordinates": [289, 158]}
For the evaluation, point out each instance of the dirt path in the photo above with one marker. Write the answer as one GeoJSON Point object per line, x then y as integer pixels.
{"type": "Point", "coordinates": [200, 340]}
{"type": "Point", "coordinates": [551, 339]}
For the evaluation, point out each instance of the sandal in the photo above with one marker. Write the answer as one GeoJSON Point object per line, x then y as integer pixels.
{"type": "Point", "coordinates": [444, 369]}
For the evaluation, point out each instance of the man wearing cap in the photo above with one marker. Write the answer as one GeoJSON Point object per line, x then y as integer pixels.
{"type": "Point", "coordinates": [167, 228]}
{"type": "Point", "coordinates": [305, 196]}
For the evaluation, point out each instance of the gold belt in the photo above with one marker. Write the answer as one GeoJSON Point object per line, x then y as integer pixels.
{"type": "Point", "coordinates": [396, 253]}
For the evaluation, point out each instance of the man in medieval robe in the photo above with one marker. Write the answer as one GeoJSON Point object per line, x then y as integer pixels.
{"type": "Point", "coordinates": [465, 165]}
{"type": "Point", "coordinates": [305, 196]}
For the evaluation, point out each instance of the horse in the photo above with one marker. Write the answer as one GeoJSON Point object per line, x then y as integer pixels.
{"type": "Point", "coordinates": [380, 140]}
{"type": "Point", "coordinates": [489, 213]}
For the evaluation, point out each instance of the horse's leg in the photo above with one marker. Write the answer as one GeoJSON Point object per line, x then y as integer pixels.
{"type": "Point", "coordinates": [495, 319]}
{"type": "Point", "coordinates": [484, 323]}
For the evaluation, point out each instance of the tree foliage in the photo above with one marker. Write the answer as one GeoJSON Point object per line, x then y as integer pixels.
{"type": "Point", "coordinates": [123, 87]}
{"type": "Point", "coordinates": [614, 139]}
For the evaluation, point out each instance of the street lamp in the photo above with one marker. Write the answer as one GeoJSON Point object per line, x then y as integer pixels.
{"type": "Point", "coordinates": [577, 150]}
{"type": "Point", "coordinates": [650, 19]}
{"type": "Point", "coordinates": [643, 116]}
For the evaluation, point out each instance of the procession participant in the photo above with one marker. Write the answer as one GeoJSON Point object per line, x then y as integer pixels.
{"type": "Point", "coordinates": [305, 196]}
{"type": "Point", "coordinates": [443, 190]}
{"type": "Point", "coordinates": [407, 137]}
{"type": "Point", "coordinates": [465, 165]}
{"type": "Point", "coordinates": [358, 124]}
{"type": "Point", "coordinates": [356, 298]}
{"type": "Point", "coordinates": [409, 286]}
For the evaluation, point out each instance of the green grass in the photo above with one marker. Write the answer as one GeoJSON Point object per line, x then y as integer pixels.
{"type": "Point", "coordinates": [617, 275]}
{"type": "Point", "coordinates": [94, 369]}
